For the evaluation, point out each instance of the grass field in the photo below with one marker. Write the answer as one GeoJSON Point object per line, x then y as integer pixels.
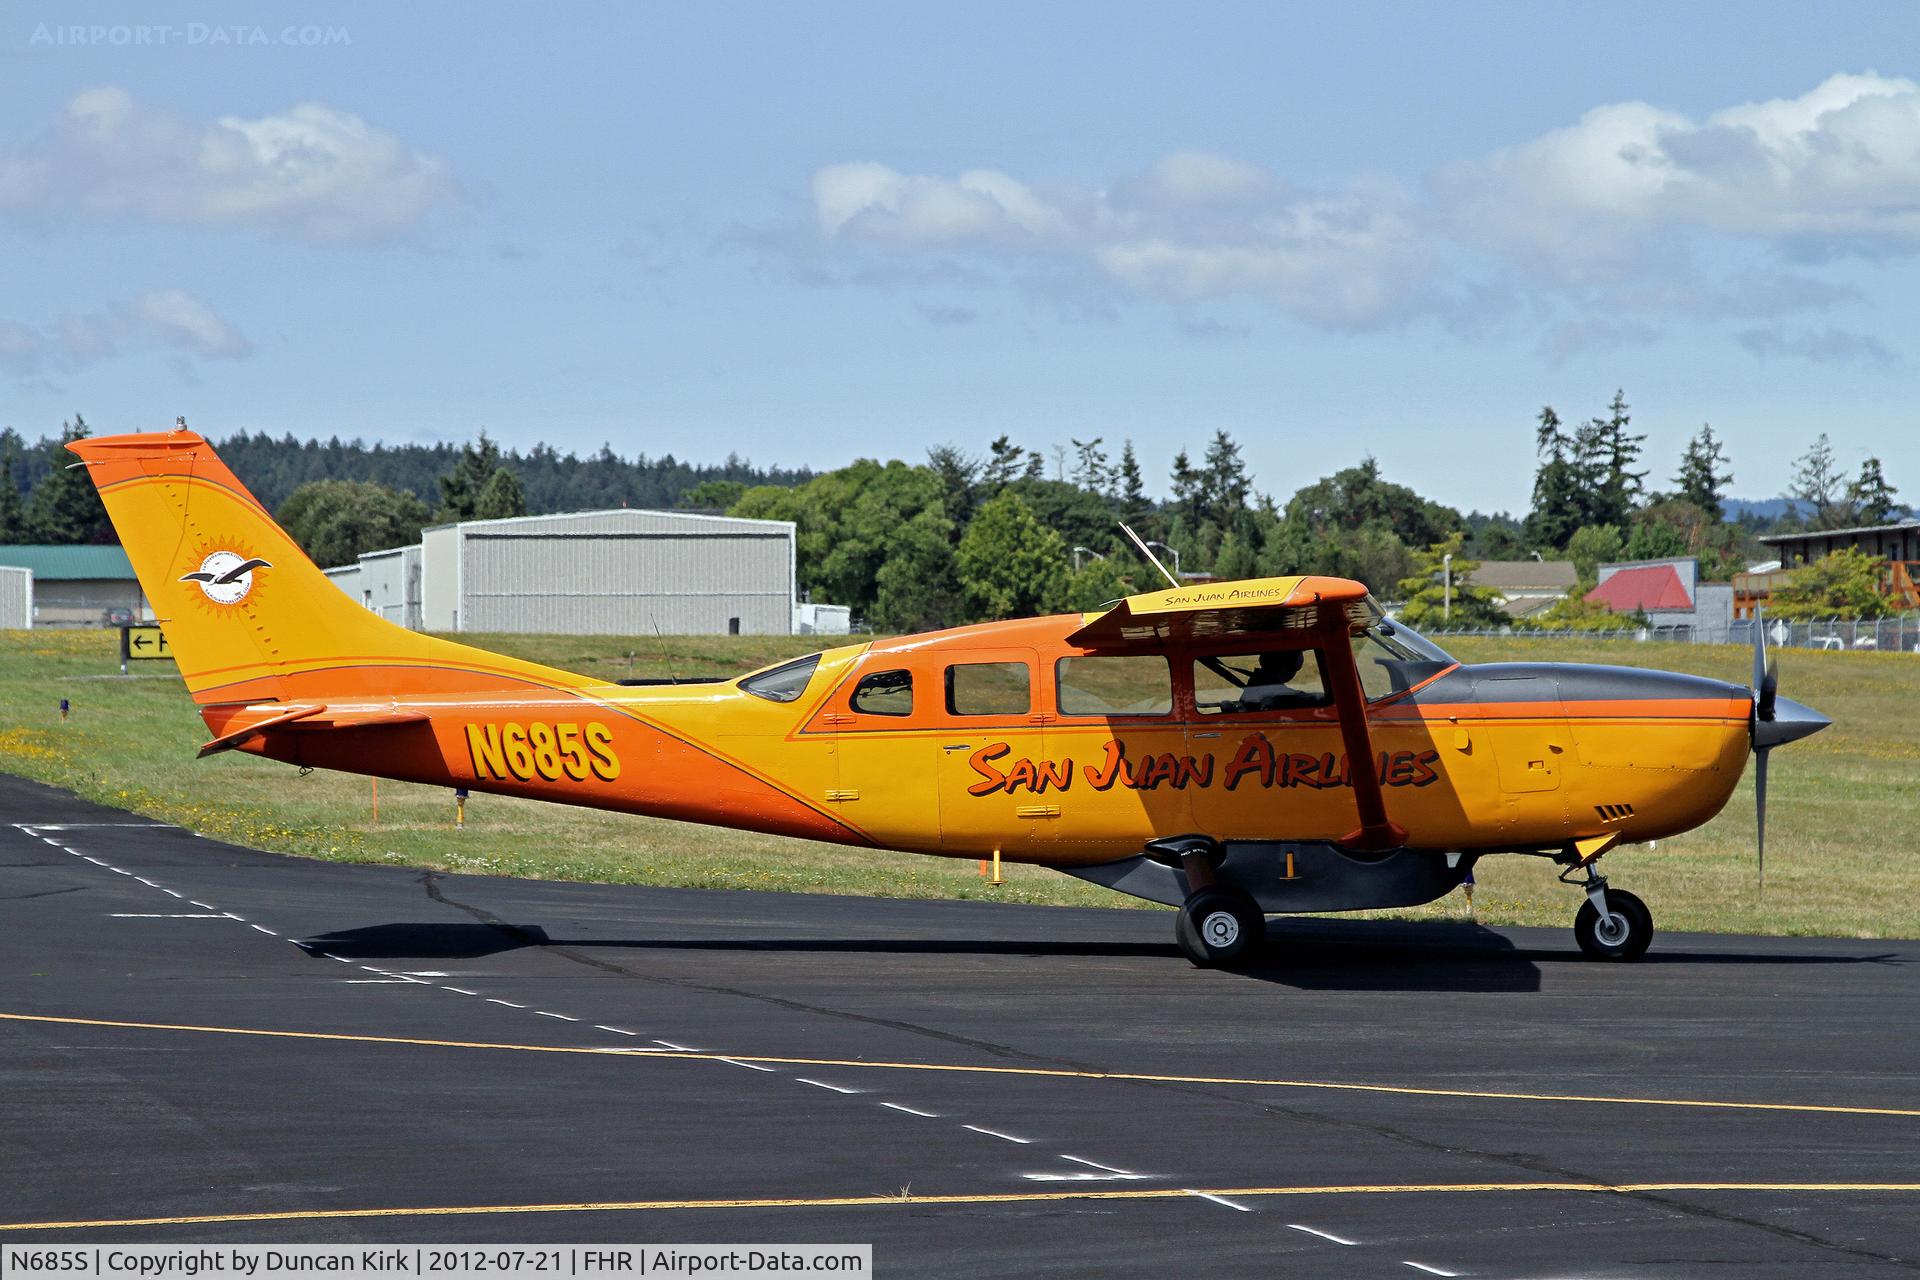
{"type": "Point", "coordinates": [1842, 815]}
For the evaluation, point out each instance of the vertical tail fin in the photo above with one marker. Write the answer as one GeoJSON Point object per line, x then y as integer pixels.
{"type": "Point", "coordinates": [245, 611]}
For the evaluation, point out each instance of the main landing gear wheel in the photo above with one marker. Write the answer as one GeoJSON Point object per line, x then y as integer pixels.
{"type": "Point", "coordinates": [1622, 934]}
{"type": "Point", "coordinates": [1219, 927]}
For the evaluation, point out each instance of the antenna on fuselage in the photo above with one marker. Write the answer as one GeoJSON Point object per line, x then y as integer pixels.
{"type": "Point", "coordinates": [1152, 559]}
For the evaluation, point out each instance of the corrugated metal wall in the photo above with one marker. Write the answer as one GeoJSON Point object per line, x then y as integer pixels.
{"type": "Point", "coordinates": [627, 573]}
{"type": "Point", "coordinates": [86, 602]}
{"type": "Point", "coordinates": [390, 585]}
{"type": "Point", "coordinates": [16, 599]}
{"type": "Point", "coordinates": [348, 578]}
{"type": "Point", "coordinates": [440, 578]}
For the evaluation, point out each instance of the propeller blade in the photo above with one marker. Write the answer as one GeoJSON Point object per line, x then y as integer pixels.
{"type": "Point", "coordinates": [1760, 810]}
{"type": "Point", "coordinates": [1759, 653]}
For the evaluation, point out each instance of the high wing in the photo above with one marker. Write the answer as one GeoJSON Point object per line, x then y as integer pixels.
{"type": "Point", "coordinates": [1230, 611]}
{"type": "Point", "coordinates": [1288, 613]}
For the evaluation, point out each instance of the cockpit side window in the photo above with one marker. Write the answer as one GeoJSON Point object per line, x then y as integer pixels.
{"type": "Point", "coordinates": [884, 693]}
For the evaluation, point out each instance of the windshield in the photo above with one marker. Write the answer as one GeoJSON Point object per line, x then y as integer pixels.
{"type": "Point", "coordinates": [1393, 657]}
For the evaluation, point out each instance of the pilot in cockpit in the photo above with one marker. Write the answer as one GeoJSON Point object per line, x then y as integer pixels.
{"type": "Point", "coordinates": [1268, 686]}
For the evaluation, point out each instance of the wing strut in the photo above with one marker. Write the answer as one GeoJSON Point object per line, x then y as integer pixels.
{"type": "Point", "coordinates": [1376, 831]}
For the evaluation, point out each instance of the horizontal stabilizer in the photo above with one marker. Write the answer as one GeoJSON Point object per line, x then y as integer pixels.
{"type": "Point", "coordinates": [310, 719]}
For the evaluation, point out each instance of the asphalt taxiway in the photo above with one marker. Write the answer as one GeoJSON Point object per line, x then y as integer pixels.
{"type": "Point", "coordinates": [205, 1043]}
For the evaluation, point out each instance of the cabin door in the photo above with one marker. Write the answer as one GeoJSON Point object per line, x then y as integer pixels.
{"type": "Point", "coordinates": [999, 786]}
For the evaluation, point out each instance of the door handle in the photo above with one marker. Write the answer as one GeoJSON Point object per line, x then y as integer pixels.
{"type": "Point", "coordinates": [956, 746]}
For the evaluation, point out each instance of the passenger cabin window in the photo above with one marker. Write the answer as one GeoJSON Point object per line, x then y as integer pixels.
{"type": "Point", "coordinates": [1245, 683]}
{"type": "Point", "coordinates": [1115, 686]}
{"type": "Point", "coordinates": [783, 683]}
{"type": "Point", "coordinates": [989, 689]}
{"type": "Point", "coordinates": [884, 693]}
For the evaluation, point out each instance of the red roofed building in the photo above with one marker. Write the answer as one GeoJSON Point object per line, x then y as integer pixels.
{"type": "Point", "coordinates": [1670, 595]}
{"type": "Point", "coordinates": [1642, 589]}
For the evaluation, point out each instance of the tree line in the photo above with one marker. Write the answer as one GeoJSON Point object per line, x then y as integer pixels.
{"type": "Point", "coordinates": [1010, 529]}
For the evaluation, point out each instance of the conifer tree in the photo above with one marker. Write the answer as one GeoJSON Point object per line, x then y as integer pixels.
{"type": "Point", "coordinates": [1703, 476]}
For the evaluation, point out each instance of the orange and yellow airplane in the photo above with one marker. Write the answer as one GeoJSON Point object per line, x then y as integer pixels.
{"type": "Point", "coordinates": [1236, 749]}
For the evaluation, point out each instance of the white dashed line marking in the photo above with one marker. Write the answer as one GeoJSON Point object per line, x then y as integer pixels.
{"type": "Point", "coordinates": [460, 991]}
{"type": "Point", "coordinates": [118, 871]}
{"type": "Point", "coordinates": [171, 894]}
{"type": "Point", "coordinates": [1221, 1200]}
{"type": "Point", "coordinates": [374, 982]}
{"type": "Point", "coordinates": [166, 915]}
{"type": "Point", "coordinates": [143, 880]}
{"type": "Point", "coordinates": [1324, 1235]}
{"type": "Point", "coordinates": [510, 1004]}
{"type": "Point", "coordinates": [207, 905]}
{"type": "Point", "coordinates": [1432, 1271]}
{"type": "Point", "coordinates": [735, 1062]}
{"type": "Point", "coordinates": [340, 959]}
{"type": "Point", "coordinates": [678, 1048]}
{"type": "Point", "coordinates": [894, 1106]}
{"type": "Point", "coordinates": [263, 929]}
{"type": "Point", "coordinates": [599, 1026]}
{"type": "Point", "coordinates": [563, 1017]}
{"type": "Point", "coordinates": [96, 862]}
{"type": "Point", "coordinates": [995, 1133]}
{"type": "Point", "coordinates": [822, 1084]}
{"type": "Point", "coordinates": [1108, 1173]}
{"type": "Point", "coordinates": [38, 827]}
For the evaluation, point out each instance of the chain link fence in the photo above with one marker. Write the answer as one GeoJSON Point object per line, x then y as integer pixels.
{"type": "Point", "coordinates": [1878, 635]}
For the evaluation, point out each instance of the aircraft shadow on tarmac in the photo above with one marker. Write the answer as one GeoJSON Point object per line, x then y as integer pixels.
{"type": "Point", "coordinates": [1322, 955]}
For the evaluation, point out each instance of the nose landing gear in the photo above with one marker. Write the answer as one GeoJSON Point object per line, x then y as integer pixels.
{"type": "Point", "coordinates": [1611, 924]}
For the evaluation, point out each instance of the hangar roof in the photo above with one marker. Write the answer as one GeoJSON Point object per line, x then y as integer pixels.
{"type": "Point", "coordinates": [69, 564]}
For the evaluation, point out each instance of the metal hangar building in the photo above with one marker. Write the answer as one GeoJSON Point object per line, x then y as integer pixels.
{"type": "Point", "coordinates": [621, 572]}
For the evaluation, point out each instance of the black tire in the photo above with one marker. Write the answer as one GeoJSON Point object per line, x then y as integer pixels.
{"type": "Point", "coordinates": [1625, 937]}
{"type": "Point", "coordinates": [1219, 927]}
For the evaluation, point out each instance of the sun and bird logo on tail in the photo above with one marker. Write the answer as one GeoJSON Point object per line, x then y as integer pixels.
{"type": "Point", "coordinates": [225, 576]}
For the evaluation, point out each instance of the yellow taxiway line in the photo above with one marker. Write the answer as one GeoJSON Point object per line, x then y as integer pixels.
{"type": "Point", "coordinates": [983, 1198]}
{"type": "Point", "coordinates": [1051, 1073]}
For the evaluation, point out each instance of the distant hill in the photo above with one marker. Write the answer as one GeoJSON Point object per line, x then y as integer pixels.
{"type": "Point", "coordinates": [1764, 512]}
{"type": "Point", "coordinates": [1767, 509]}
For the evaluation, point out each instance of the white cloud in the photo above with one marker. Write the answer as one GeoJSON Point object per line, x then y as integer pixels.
{"type": "Point", "coordinates": [1596, 231]}
{"type": "Point", "coordinates": [872, 202]}
{"type": "Point", "coordinates": [1191, 227]}
{"type": "Point", "coordinates": [1835, 169]}
{"type": "Point", "coordinates": [310, 172]}
{"type": "Point", "coordinates": [168, 320]}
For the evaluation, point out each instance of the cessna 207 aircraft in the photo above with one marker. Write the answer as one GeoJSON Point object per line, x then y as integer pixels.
{"type": "Point", "coordinates": [1236, 749]}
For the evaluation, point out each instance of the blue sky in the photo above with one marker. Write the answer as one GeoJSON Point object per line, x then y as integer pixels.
{"type": "Point", "coordinates": [806, 234]}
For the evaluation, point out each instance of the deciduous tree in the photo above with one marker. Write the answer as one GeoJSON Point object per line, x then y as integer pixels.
{"type": "Point", "coordinates": [334, 521]}
{"type": "Point", "coordinates": [1847, 583]}
{"type": "Point", "coordinates": [1009, 563]}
